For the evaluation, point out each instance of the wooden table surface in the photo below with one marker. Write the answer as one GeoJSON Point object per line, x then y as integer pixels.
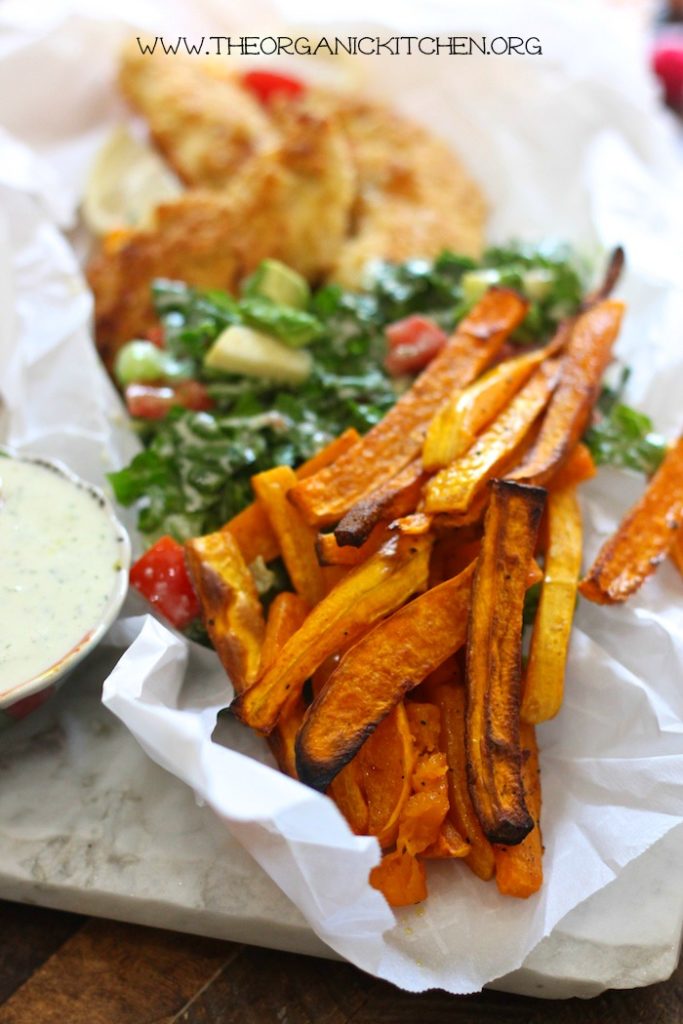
{"type": "Point", "coordinates": [59, 968]}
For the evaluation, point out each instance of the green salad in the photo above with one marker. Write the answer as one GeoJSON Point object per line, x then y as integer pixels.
{"type": "Point", "coordinates": [242, 384]}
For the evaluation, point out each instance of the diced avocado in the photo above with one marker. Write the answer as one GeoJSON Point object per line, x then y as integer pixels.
{"type": "Point", "coordinates": [278, 282]}
{"type": "Point", "coordinates": [475, 282]}
{"type": "Point", "coordinates": [240, 349]}
{"type": "Point", "coordinates": [537, 282]}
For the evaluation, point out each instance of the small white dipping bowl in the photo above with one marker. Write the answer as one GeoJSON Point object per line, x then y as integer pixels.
{"type": "Point", "coordinates": [20, 697]}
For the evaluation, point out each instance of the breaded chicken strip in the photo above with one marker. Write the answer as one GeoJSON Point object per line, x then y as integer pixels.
{"type": "Point", "coordinates": [292, 204]}
{"type": "Point", "coordinates": [414, 196]}
{"type": "Point", "coordinates": [205, 126]}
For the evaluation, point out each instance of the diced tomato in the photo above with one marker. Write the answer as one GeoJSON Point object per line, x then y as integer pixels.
{"type": "Point", "coordinates": [155, 334]}
{"type": "Point", "coordinates": [413, 342]}
{"type": "Point", "coordinates": [266, 85]}
{"type": "Point", "coordinates": [161, 576]}
{"type": "Point", "coordinates": [152, 402]}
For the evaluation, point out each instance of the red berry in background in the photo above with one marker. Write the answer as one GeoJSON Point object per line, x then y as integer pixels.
{"type": "Point", "coordinates": [667, 64]}
{"type": "Point", "coordinates": [413, 342]}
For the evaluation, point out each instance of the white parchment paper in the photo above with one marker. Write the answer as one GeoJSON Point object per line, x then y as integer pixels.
{"type": "Point", "coordinates": [570, 144]}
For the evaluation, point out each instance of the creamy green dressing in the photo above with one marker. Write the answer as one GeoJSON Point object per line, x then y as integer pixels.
{"type": "Point", "coordinates": [58, 565]}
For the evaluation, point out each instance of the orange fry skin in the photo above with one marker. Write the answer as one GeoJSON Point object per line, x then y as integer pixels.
{"type": "Point", "coordinates": [397, 439]}
{"type": "Point", "coordinates": [287, 614]}
{"type": "Point", "coordinates": [230, 604]}
{"type": "Point", "coordinates": [494, 661]}
{"type": "Point", "coordinates": [368, 592]}
{"type": "Point", "coordinates": [544, 676]}
{"type": "Point", "coordinates": [376, 673]}
{"type": "Point", "coordinates": [519, 869]}
{"type": "Point", "coordinates": [296, 539]}
{"type": "Point", "coordinates": [454, 489]}
{"type": "Point", "coordinates": [578, 468]}
{"type": "Point", "coordinates": [587, 356]}
{"type": "Point", "coordinates": [644, 538]}
{"type": "Point", "coordinates": [251, 527]}
{"type": "Point", "coordinates": [331, 553]}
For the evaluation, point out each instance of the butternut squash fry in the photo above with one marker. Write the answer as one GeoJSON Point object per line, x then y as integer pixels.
{"type": "Point", "coordinates": [287, 614]}
{"type": "Point", "coordinates": [578, 468]}
{"type": "Point", "coordinates": [331, 553]}
{"type": "Point", "coordinates": [368, 592]}
{"type": "Point", "coordinates": [296, 539]}
{"type": "Point", "coordinates": [230, 604]}
{"type": "Point", "coordinates": [544, 677]}
{"type": "Point", "coordinates": [677, 552]}
{"type": "Point", "coordinates": [587, 355]}
{"type": "Point", "coordinates": [454, 489]}
{"type": "Point", "coordinates": [251, 527]}
{"type": "Point", "coordinates": [397, 439]}
{"type": "Point", "coordinates": [644, 538]}
{"type": "Point", "coordinates": [455, 426]}
{"type": "Point", "coordinates": [450, 699]}
{"type": "Point", "coordinates": [494, 661]}
{"type": "Point", "coordinates": [386, 764]}
{"type": "Point", "coordinates": [395, 498]}
{"type": "Point", "coordinates": [519, 869]}
{"type": "Point", "coordinates": [376, 673]}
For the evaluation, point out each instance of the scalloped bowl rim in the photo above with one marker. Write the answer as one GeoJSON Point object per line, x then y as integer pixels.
{"type": "Point", "coordinates": [60, 669]}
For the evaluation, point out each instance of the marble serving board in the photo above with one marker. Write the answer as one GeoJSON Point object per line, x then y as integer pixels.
{"type": "Point", "coordinates": [89, 824]}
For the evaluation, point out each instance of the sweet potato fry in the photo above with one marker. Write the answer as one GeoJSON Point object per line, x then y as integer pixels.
{"type": "Point", "coordinates": [455, 426]}
{"type": "Point", "coordinates": [454, 489]}
{"type": "Point", "coordinates": [395, 498]}
{"type": "Point", "coordinates": [398, 438]}
{"type": "Point", "coordinates": [296, 539]}
{"type": "Point", "coordinates": [376, 673]}
{"type": "Point", "coordinates": [386, 763]}
{"type": "Point", "coordinates": [448, 845]}
{"type": "Point", "coordinates": [287, 614]}
{"type": "Point", "coordinates": [347, 792]}
{"type": "Point", "coordinates": [330, 553]}
{"type": "Point", "coordinates": [401, 879]}
{"type": "Point", "coordinates": [251, 527]}
{"type": "Point", "coordinates": [544, 677]}
{"type": "Point", "coordinates": [368, 592]}
{"type": "Point", "coordinates": [494, 661]}
{"type": "Point", "coordinates": [230, 604]}
{"type": "Point", "coordinates": [677, 552]}
{"type": "Point", "coordinates": [578, 468]}
{"type": "Point", "coordinates": [644, 538]}
{"type": "Point", "coordinates": [588, 353]}
{"type": "Point", "coordinates": [519, 869]}
{"type": "Point", "coordinates": [450, 698]}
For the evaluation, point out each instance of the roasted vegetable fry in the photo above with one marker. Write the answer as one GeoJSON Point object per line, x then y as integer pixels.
{"type": "Point", "coordinates": [454, 488]}
{"type": "Point", "coordinates": [386, 763]}
{"type": "Point", "coordinates": [519, 869]}
{"type": "Point", "coordinates": [287, 614]}
{"type": "Point", "coordinates": [644, 538]}
{"type": "Point", "coordinates": [296, 539]}
{"type": "Point", "coordinates": [448, 845]}
{"type": "Point", "coordinates": [494, 661]}
{"type": "Point", "coordinates": [397, 439]}
{"type": "Point", "coordinates": [368, 592]}
{"type": "Point", "coordinates": [331, 553]}
{"type": "Point", "coordinates": [251, 528]}
{"type": "Point", "coordinates": [578, 468]}
{"type": "Point", "coordinates": [231, 608]}
{"type": "Point", "coordinates": [544, 677]}
{"type": "Point", "coordinates": [401, 879]}
{"type": "Point", "coordinates": [468, 412]}
{"type": "Point", "coordinates": [588, 353]}
{"type": "Point", "coordinates": [376, 673]}
{"type": "Point", "coordinates": [677, 552]}
{"type": "Point", "coordinates": [394, 498]}
{"type": "Point", "coordinates": [450, 698]}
